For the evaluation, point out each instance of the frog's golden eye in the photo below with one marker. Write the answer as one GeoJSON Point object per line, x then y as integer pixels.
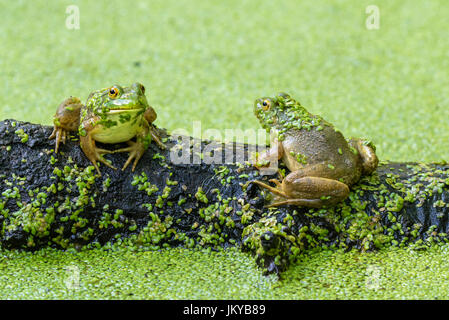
{"type": "Point", "coordinates": [266, 104]}
{"type": "Point", "coordinates": [113, 92]}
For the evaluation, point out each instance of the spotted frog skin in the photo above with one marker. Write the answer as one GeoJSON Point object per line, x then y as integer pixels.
{"type": "Point", "coordinates": [111, 115]}
{"type": "Point", "coordinates": [322, 162]}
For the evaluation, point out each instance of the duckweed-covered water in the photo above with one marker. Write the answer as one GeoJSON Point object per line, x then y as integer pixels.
{"type": "Point", "coordinates": [228, 274]}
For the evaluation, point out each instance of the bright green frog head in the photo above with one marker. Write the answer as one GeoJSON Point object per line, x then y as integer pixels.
{"type": "Point", "coordinates": [284, 113]}
{"type": "Point", "coordinates": [116, 114]}
{"type": "Point", "coordinates": [124, 102]}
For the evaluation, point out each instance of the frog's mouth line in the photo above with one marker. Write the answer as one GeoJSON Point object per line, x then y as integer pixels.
{"type": "Point", "coordinates": [114, 111]}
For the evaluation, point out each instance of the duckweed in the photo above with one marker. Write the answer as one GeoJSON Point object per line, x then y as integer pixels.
{"type": "Point", "coordinates": [130, 274]}
{"type": "Point", "coordinates": [22, 135]}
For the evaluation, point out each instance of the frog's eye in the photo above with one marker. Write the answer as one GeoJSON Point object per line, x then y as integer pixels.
{"type": "Point", "coordinates": [113, 92]}
{"type": "Point", "coordinates": [266, 104]}
{"type": "Point", "coordinates": [142, 88]}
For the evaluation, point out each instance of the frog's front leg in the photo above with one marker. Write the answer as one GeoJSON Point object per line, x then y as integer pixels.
{"type": "Point", "coordinates": [150, 115]}
{"type": "Point", "coordinates": [156, 138]}
{"type": "Point", "coordinates": [297, 188]}
{"type": "Point", "coordinates": [367, 153]}
{"type": "Point", "coordinates": [275, 152]}
{"type": "Point", "coordinates": [137, 149]}
{"type": "Point", "coordinates": [66, 119]}
{"type": "Point", "coordinates": [89, 148]}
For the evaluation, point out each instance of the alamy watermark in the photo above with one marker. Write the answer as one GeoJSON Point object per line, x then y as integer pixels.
{"type": "Point", "coordinates": [373, 277]}
{"type": "Point", "coordinates": [372, 22]}
{"type": "Point", "coordinates": [72, 279]}
{"type": "Point", "coordinates": [209, 147]}
{"type": "Point", "coordinates": [72, 22]}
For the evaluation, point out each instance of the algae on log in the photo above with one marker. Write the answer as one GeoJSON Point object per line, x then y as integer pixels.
{"type": "Point", "coordinates": [58, 200]}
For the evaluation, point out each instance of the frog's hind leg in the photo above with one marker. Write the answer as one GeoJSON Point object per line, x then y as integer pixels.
{"type": "Point", "coordinates": [309, 191]}
{"type": "Point", "coordinates": [93, 153]}
{"type": "Point", "coordinates": [367, 153]}
{"type": "Point", "coordinates": [312, 203]}
{"type": "Point", "coordinates": [313, 191]}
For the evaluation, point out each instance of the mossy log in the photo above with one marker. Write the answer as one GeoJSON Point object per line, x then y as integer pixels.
{"type": "Point", "coordinates": [58, 200]}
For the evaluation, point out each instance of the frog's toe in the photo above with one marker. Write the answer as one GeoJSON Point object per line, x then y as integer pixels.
{"type": "Point", "coordinates": [59, 135]}
{"type": "Point", "coordinates": [63, 136]}
{"type": "Point", "coordinates": [130, 158]}
{"type": "Point", "coordinates": [103, 151]}
{"type": "Point", "coordinates": [127, 149]}
{"type": "Point", "coordinates": [53, 134]}
{"type": "Point", "coordinates": [133, 155]}
{"type": "Point", "coordinates": [276, 191]}
{"type": "Point", "coordinates": [158, 141]}
{"type": "Point", "coordinates": [276, 182]}
{"type": "Point", "coordinates": [135, 150]}
{"type": "Point", "coordinates": [98, 156]}
{"type": "Point", "coordinates": [161, 145]}
{"type": "Point", "coordinates": [105, 162]}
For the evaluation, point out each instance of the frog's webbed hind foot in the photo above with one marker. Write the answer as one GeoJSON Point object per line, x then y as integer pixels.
{"type": "Point", "coordinates": [276, 191]}
{"type": "Point", "coordinates": [367, 152]}
{"type": "Point", "coordinates": [136, 151]}
{"type": "Point", "coordinates": [60, 134]}
{"type": "Point", "coordinates": [97, 155]}
{"type": "Point", "coordinates": [276, 182]}
{"type": "Point", "coordinates": [93, 153]}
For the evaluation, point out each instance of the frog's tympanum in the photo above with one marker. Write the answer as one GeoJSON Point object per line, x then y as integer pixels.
{"type": "Point", "coordinates": [111, 115]}
{"type": "Point", "coordinates": [322, 162]}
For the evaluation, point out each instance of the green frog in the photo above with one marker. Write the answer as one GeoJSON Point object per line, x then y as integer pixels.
{"type": "Point", "coordinates": [111, 115]}
{"type": "Point", "coordinates": [322, 162]}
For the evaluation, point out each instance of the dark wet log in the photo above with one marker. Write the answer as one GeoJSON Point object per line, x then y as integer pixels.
{"type": "Point", "coordinates": [57, 200]}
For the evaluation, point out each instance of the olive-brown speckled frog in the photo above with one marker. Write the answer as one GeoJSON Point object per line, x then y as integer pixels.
{"type": "Point", "coordinates": [322, 162]}
{"type": "Point", "coordinates": [111, 115]}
